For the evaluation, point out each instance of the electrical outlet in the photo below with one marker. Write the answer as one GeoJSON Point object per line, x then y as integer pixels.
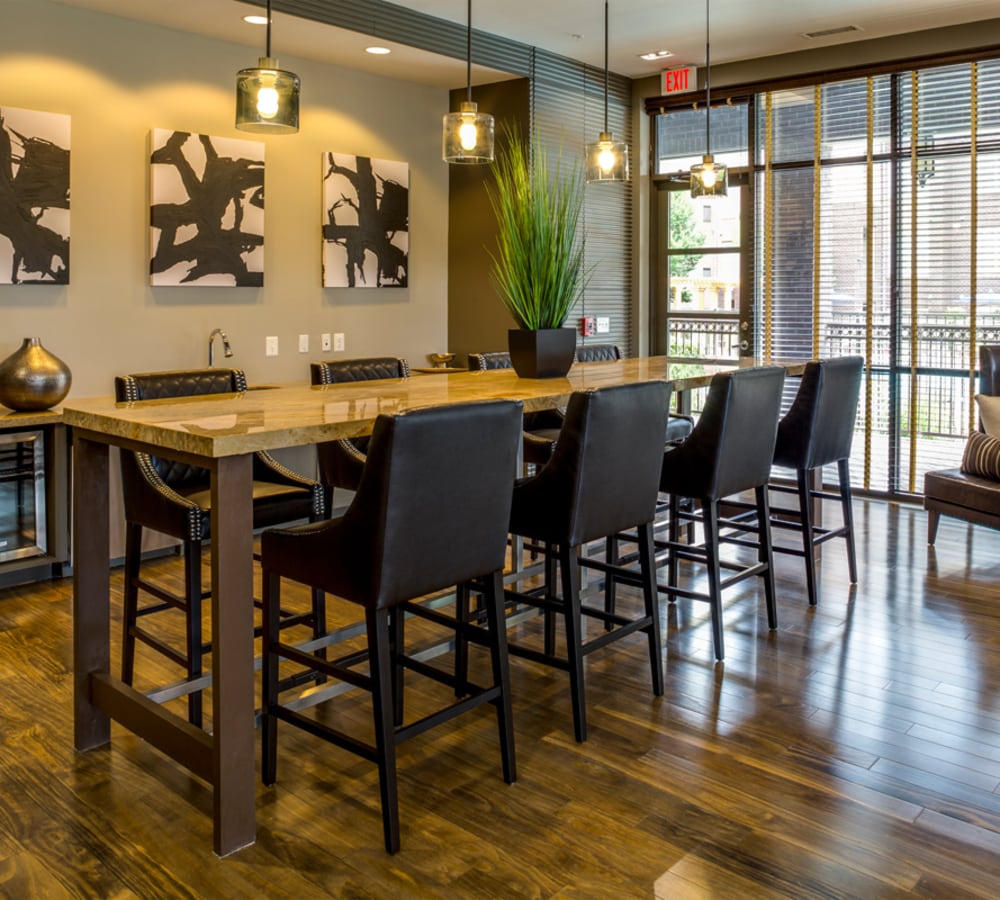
{"type": "Point", "coordinates": [271, 346]}
{"type": "Point", "coordinates": [324, 340]}
{"type": "Point", "coordinates": [303, 343]}
{"type": "Point", "coordinates": [603, 324]}
{"type": "Point", "coordinates": [338, 341]}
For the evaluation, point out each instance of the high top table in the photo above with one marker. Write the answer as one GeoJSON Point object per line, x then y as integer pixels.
{"type": "Point", "coordinates": [221, 432]}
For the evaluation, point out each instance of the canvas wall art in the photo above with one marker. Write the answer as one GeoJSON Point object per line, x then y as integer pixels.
{"type": "Point", "coordinates": [34, 197]}
{"type": "Point", "coordinates": [365, 221]}
{"type": "Point", "coordinates": [206, 210]}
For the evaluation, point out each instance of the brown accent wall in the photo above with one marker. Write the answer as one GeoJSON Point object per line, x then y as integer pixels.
{"type": "Point", "coordinates": [477, 320]}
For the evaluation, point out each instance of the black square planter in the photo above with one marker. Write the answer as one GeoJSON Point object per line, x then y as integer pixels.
{"type": "Point", "coordinates": [545, 353]}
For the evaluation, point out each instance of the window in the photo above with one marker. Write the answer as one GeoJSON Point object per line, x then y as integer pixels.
{"type": "Point", "coordinates": [876, 214]}
{"type": "Point", "coordinates": [871, 242]}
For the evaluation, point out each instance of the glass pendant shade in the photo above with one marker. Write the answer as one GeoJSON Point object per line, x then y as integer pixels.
{"type": "Point", "coordinates": [267, 99]}
{"type": "Point", "coordinates": [467, 136]}
{"type": "Point", "coordinates": [607, 160]}
{"type": "Point", "coordinates": [710, 179]}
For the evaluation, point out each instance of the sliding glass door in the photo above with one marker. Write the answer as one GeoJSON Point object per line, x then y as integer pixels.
{"type": "Point", "coordinates": [701, 309]}
{"type": "Point", "coordinates": [876, 199]}
{"type": "Point", "coordinates": [870, 225]}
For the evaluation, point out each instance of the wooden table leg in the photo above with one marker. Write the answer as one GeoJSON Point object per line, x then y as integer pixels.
{"type": "Point", "coordinates": [234, 798]}
{"type": "Point", "coordinates": [91, 586]}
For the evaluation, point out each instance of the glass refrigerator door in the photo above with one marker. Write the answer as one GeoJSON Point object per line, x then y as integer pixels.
{"type": "Point", "coordinates": [22, 495]}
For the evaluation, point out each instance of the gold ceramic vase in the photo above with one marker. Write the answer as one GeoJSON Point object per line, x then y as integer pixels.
{"type": "Point", "coordinates": [33, 379]}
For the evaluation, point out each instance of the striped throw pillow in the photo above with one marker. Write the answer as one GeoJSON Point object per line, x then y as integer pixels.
{"type": "Point", "coordinates": [982, 456]}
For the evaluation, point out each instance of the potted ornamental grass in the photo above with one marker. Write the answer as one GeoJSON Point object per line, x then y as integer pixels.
{"type": "Point", "coordinates": [538, 267]}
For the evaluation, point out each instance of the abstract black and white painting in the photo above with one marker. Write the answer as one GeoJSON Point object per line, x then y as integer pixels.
{"type": "Point", "coordinates": [34, 197]}
{"type": "Point", "coordinates": [206, 210]}
{"type": "Point", "coordinates": [366, 235]}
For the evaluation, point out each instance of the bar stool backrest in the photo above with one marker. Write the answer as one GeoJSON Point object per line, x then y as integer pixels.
{"type": "Point", "coordinates": [177, 383]}
{"type": "Point", "coordinates": [818, 428]}
{"type": "Point", "coordinates": [433, 505]}
{"type": "Point", "coordinates": [598, 352]}
{"type": "Point", "coordinates": [499, 359]}
{"type": "Point", "coordinates": [732, 445]}
{"type": "Point", "coordinates": [604, 472]}
{"type": "Point", "coordinates": [365, 369]}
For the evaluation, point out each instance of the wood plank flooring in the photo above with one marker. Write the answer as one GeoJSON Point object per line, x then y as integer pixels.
{"type": "Point", "coordinates": [855, 752]}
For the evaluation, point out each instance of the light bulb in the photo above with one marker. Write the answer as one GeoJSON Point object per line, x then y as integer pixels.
{"type": "Point", "coordinates": [708, 175]}
{"type": "Point", "coordinates": [467, 135]}
{"type": "Point", "coordinates": [267, 102]}
{"type": "Point", "coordinates": [606, 158]}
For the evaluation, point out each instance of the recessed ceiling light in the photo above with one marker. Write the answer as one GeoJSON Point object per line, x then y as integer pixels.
{"type": "Point", "coordinates": [656, 54]}
{"type": "Point", "coordinates": [255, 20]}
{"type": "Point", "coordinates": [377, 51]}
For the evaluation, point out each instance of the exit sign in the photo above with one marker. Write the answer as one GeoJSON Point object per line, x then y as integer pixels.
{"type": "Point", "coordinates": [678, 81]}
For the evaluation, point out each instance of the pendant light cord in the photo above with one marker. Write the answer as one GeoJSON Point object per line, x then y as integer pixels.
{"type": "Point", "coordinates": [708, 84]}
{"type": "Point", "coordinates": [268, 53]}
{"type": "Point", "coordinates": [605, 66]}
{"type": "Point", "coordinates": [468, 53]}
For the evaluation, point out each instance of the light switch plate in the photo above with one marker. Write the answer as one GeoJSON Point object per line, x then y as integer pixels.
{"type": "Point", "coordinates": [271, 346]}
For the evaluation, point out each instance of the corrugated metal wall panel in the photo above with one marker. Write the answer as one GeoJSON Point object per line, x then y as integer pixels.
{"type": "Point", "coordinates": [567, 113]}
{"type": "Point", "coordinates": [415, 29]}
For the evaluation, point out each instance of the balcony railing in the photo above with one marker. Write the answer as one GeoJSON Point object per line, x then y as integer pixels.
{"type": "Point", "coordinates": [942, 354]}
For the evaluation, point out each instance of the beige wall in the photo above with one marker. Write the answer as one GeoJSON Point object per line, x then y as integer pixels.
{"type": "Point", "coordinates": [477, 319]}
{"type": "Point", "coordinates": [118, 79]}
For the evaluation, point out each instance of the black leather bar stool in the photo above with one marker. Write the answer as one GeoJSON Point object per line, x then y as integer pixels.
{"type": "Point", "coordinates": [391, 547]}
{"type": "Point", "coordinates": [174, 498]}
{"type": "Point", "coordinates": [602, 479]}
{"type": "Point", "coordinates": [341, 462]}
{"type": "Point", "coordinates": [817, 431]}
{"type": "Point", "coordinates": [729, 452]}
{"type": "Point", "coordinates": [678, 426]}
{"type": "Point", "coordinates": [541, 429]}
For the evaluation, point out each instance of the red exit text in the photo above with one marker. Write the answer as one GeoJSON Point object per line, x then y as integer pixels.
{"type": "Point", "coordinates": [677, 81]}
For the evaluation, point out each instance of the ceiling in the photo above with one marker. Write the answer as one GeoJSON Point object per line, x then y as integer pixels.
{"type": "Point", "coordinates": [741, 29]}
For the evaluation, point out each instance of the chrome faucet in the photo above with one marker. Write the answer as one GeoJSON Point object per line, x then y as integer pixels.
{"type": "Point", "coordinates": [227, 350]}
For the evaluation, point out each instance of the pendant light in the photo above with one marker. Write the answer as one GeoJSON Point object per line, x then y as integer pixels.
{"type": "Point", "coordinates": [710, 179]}
{"type": "Point", "coordinates": [607, 159]}
{"type": "Point", "coordinates": [467, 137]}
{"type": "Point", "coordinates": [267, 97]}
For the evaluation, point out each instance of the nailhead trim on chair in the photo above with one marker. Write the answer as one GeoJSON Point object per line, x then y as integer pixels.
{"type": "Point", "coordinates": [315, 489]}
{"type": "Point", "coordinates": [194, 512]}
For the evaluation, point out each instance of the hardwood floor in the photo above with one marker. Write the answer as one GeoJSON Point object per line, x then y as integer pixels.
{"type": "Point", "coordinates": [855, 752]}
